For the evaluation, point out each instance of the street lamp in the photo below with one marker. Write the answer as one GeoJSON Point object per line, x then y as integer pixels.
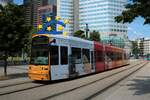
{"type": "Point", "coordinates": [86, 30]}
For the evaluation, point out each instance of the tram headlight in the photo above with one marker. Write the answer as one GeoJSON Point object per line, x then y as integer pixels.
{"type": "Point", "coordinates": [29, 67]}
{"type": "Point", "coordinates": [44, 68]}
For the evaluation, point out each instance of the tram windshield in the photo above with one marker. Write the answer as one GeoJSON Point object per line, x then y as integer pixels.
{"type": "Point", "coordinates": [39, 55]}
{"type": "Point", "coordinates": [39, 51]}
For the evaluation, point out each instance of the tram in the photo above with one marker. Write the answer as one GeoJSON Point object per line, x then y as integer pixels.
{"type": "Point", "coordinates": [57, 57]}
{"type": "Point", "coordinates": [147, 57]}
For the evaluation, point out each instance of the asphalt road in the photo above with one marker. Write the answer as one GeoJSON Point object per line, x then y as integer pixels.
{"type": "Point", "coordinates": [102, 86]}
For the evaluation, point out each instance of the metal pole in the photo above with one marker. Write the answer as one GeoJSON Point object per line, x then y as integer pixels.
{"type": "Point", "coordinates": [87, 29]}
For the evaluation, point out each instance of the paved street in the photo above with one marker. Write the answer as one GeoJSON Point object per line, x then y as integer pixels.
{"type": "Point", "coordinates": [14, 72]}
{"type": "Point", "coordinates": [130, 82]}
{"type": "Point", "coordinates": [135, 87]}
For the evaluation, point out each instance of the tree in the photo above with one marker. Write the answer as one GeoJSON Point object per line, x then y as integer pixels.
{"type": "Point", "coordinates": [135, 9]}
{"type": "Point", "coordinates": [95, 36]}
{"type": "Point", "coordinates": [135, 48]}
{"type": "Point", "coordinates": [79, 34]}
{"type": "Point", "coordinates": [14, 34]}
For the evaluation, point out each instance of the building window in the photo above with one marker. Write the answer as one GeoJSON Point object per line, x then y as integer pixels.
{"type": "Point", "coordinates": [85, 56]}
{"type": "Point", "coordinates": [76, 54]}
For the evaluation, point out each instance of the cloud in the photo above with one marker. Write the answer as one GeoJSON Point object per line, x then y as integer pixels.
{"type": "Point", "coordinates": [135, 32]}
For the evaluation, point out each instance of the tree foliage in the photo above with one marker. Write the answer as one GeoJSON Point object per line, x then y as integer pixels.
{"type": "Point", "coordinates": [135, 9]}
{"type": "Point", "coordinates": [14, 34]}
{"type": "Point", "coordinates": [79, 34]}
{"type": "Point", "coordinates": [95, 36]}
{"type": "Point", "coordinates": [135, 49]}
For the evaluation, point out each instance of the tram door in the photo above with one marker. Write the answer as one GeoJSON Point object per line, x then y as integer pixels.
{"type": "Point", "coordinates": [72, 67]}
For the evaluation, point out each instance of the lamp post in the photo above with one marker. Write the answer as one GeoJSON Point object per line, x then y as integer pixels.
{"type": "Point", "coordinates": [86, 30]}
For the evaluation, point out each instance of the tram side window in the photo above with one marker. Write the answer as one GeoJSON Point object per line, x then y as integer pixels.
{"type": "Point", "coordinates": [109, 55]}
{"type": "Point", "coordinates": [54, 55]}
{"type": "Point", "coordinates": [76, 54]}
{"type": "Point", "coordinates": [99, 56]}
{"type": "Point", "coordinates": [85, 56]}
{"type": "Point", "coordinates": [64, 55]}
{"type": "Point", "coordinates": [119, 56]}
{"type": "Point", "coordinates": [114, 54]}
{"type": "Point", "coordinates": [125, 56]}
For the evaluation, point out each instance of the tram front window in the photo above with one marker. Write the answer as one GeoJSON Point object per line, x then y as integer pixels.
{"type": "Point", "coordinates": [39, 55]}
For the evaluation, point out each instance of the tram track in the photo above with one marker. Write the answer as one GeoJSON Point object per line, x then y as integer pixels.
{"type": "Point", "coordinates": [116, 82]}
{"type": "Point", "coordinates": [60, 93]}
{"type": "Point", "coordinates": [25, 82]}
{"type": "Point", "coordinates": [90, 83]}
{"type": "Point", "coordinates": [24, 89]}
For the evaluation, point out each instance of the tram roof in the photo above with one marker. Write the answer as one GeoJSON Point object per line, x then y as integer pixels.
{"type": "Point", "coordinates": [72, 38]}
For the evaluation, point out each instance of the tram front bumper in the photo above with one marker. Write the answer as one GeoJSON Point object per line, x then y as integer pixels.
{"type": "Point", "coordinates": [38, 72]}
{"type": "Point", "coordinates": [35, 76]}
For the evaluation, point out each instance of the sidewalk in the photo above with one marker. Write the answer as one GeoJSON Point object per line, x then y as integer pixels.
{"type": "Point", "coordinates": [137, 87]}
{"type": "Point", "coordinates": [13, 72]}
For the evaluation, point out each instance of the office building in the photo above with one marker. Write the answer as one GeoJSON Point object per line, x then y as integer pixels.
{"type": "Point", "coordinates": [35, 8]}
{"type": "Point", "coordinates": [65, 9]}
{"type": "Point", "coordinates": [140, 44]}
{"type": "Point", "coordinates": [47, 10]}
{"type": "Point", "coordinates": [99, 15]}
{"type": "Point", "coordinates": [31, 11]}
{"type": "Point", "coordinates": [144, 46]}
{"type": "Point", "coordinates": [4, 2]}
{"type": "Point", "coordinates": [49, 2]}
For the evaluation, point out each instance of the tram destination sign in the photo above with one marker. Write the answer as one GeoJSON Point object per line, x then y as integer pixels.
{"type": "Point", "coordinates": [40, 40]}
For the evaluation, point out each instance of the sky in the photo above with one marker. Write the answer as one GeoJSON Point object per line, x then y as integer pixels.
{"type": "Point", "coordinates": [136, 29]}
{"type": "Point", "coordinates": [18, 1]}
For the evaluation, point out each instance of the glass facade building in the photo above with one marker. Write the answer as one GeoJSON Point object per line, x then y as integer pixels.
{"type": "Point", "coordinates": [99, 15]}
{"type": "Point", "coordinates": [65, 9]}
{"type": "Point", "coordinates": [49, 2]}
{"type": "Point", "coordinates": [4, 2]}
{"type": "Point", "coordinates": [32, 10]}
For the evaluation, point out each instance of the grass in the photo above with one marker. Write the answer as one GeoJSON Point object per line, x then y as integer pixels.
{"type": "Point", "coordinates": [12, 59]}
